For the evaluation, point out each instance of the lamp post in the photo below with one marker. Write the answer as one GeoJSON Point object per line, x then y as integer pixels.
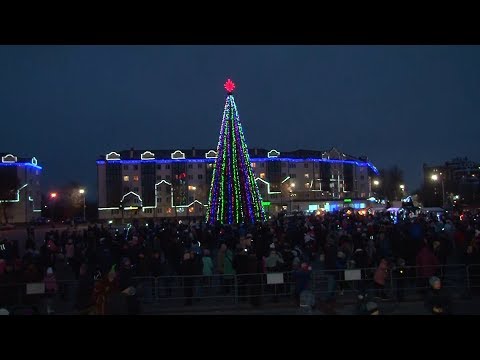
{"type": "Point", "coordinates": [292, 186]}
{"type": "Point", "coordinates": [435, 177]}
{"type": "Point", "coordinates": [53, 197]}
{"type": "Point", "coordinates": [82, 192]}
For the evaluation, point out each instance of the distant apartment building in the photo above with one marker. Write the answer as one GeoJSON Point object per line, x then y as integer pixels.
{"type": "Point", "coordinates": [20, 197]}
{"type": "Point", "coordinates": [460, 177]}
{"type": "Point", "coordinates": [167, 183]}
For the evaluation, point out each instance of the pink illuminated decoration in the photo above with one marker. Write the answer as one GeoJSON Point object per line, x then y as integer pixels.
{"type": "Point", "coordinates": [229, 86]}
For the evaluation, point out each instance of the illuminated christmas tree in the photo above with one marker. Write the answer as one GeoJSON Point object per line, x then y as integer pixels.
{"type": "Point", "coordinates": [234, 197]}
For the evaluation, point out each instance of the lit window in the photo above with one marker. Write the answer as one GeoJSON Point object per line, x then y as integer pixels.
{"type": "Point", "coordinates": [126, 178]}
{"type": "Point", "coordinates": [262, 175]}
{"type": "Point", "coordinates": [306, 176]}
{"type": "Point", "coordinates": [307, 185]}
{"type": "Point", "coordinates": [254, 165]}
{"type": "Point", "coordinates": [135, 178]}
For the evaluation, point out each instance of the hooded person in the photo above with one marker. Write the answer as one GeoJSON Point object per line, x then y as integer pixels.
{"type": "Point", "coordinates": [438, 301]}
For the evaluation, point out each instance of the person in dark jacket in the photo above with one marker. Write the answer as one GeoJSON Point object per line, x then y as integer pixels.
{"type": "Point", "coordinates": [84, 299]}
{"type": "Point", "coordinates": [438, 300]}
{"type": "Point", "coordinates": [188, 270]}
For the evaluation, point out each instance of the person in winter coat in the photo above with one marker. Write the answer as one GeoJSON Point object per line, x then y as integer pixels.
{"type": "Point", "coordinates": [380, 278]}
{"type": "Point", "coordinates": [427, 265]}
{"type": "Point", "coordinates": [438, 300]}
{"type": "Point", "coordinates": [302, 279]}
{"type": "Point", "coordinates": [188, 270]}
{"type": "Point", "coordinates": [84, 298]}
{"type": "Point", "coordinates": [51, 288]}
{"type": "Point", "coordinates": [103, 289]}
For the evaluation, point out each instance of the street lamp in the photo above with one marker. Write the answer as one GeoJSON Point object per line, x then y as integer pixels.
{"type": "Point", "coordinates": [53, 195]}
{"type": "Point", "coordinates": [435, 177]}
{"type": "Point", "coordinates": [376, 182]}
{"type": "Point", "coordinates": [402, 187]}
{"type": "Point", "coordinates": [82, 192]}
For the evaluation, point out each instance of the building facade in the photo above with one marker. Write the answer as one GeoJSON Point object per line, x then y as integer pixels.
{"type": "Point", "coordinates": [168, 183]}
{"type": "Point", "coordinates": [458, 179]}
{"type": "Point", "coordinates": [20, 195]}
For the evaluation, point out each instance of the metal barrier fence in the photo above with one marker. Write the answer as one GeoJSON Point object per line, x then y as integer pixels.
{"type": "Point", "coordinates": [174, 292]}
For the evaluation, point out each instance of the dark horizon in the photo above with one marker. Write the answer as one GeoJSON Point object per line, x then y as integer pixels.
{"type": "Point", "coordinates": [404, 105]}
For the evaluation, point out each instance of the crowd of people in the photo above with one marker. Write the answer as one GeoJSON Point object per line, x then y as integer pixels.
{"type": "Point", "coordinates": [106, 261]}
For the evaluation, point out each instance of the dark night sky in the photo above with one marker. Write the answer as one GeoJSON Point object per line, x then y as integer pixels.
{"type": "Point", "coordinates": [402, 105]}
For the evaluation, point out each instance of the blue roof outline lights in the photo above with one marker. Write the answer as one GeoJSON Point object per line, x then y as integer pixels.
{"type": "Point", "coordinates": [212, 160]}
{"type": "Point", "coordinates": [38, 167]}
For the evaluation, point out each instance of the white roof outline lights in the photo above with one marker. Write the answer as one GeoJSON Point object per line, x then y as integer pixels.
{"type": "Point", "coordinates": [268, 186]}
{"type": "Point", "coordinates": [273, 153]}
{"type": "Point", "coordinates": [131, 192]}
{"type": "Point", "coordinates": [18, 195]}
{"type": "Point", "coordinates": [147, 155]}
{"type": "Point", "coordinates": [212, 154]}
{"type": "Point", "coordinates": [9, 158]}
{"type": "Point", "coordinates": [112, 156]}
{"type": "Point", "coordinates": [177, 154]}
{"type": "Point", "coordinates": [34, 161]}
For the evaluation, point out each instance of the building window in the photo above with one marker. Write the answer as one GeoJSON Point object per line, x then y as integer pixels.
{"type": "Point", "coordinates": [125, 167]}
{"type": "Point", "coordinates": [190, 166]}
{"type": "Point", "coordinates": [126, 189]}
{"type": "Point", "coordinates": [292, 165]}
{"type": "Point", "coordinates": [200, 166]}
{"type": "Point", "coordinates": [159, 210]}
{"type": "Point", "coordinates": [167, 166]}
{"type": "Point", "coordinates": [135, 177]}
{"type": "Point", "coordinates": [148, 211]}
{"type": "Point", "coordinates": [316, 165]}
{"type": "Point", "coordinates": [305, 165]}
{"type": "Point", "coordinates": [190, 177]}
{"type": "Point", "coordinates": [262, 175]}
{"type": "Point", "coordinates": [307, 176]}
{"type": "Point", "coordinates": [200, 176]}
{"type": "Point", "coordinates": [284, 164]}
{"type": "Point", "coordinates": [293, 176]}
{"type": "Point", "coordinates": [190, 198]}
{"type": "Point", "coordinates": [159, 200]}
{"type": "Point", "coordinates": [135, 167]}
{"type": "Point", "coordinates": [126, 178]}
{"type": "Point", "coordinates": [114, 212]}
{"type": "Point", "coordinates": [254, 165]}
{"type": "Point", "coordinates": [159, 177]}
{"type": "Point", "coordinates": [135, 189]}
{"type": "Point", "coordinates": [168, 177]}
{"type": "Point", "coordinates": [362, 177]}
{"type": "Point", "coordinates": [263, 165]}
{"type": "Point", "coordinates": [284, 175]}
{"type": "Point", "coordinates": [159, 167]}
